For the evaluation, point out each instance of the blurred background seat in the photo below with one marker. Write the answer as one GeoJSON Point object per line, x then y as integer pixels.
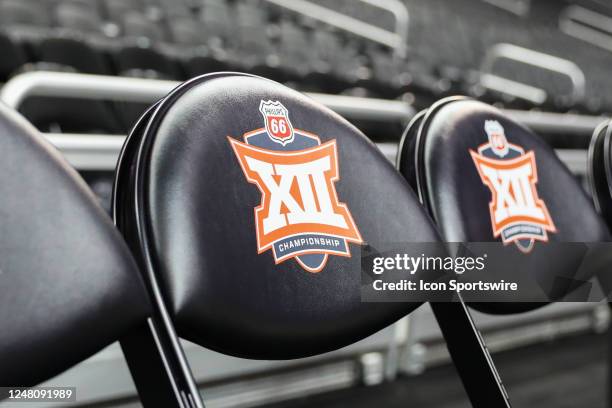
{"type": "Point", "coordinates": [180, 39]}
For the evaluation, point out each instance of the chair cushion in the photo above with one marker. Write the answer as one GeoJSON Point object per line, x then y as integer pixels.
{"type": "Point", "coordinates": [600, 170]}
{"type": "Point", "coordinates": [486, 178]}
{"type": "Point", "coordinates": [68, 284]}
{"type": "Point", "coordinates": [257, 201]}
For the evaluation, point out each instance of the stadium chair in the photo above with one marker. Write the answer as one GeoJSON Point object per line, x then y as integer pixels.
{"type": "Point", "coordinates": [136, 25]}
{"type": "Point", "coordinates": [23, 13]}
{"type": "Point", "coordinates": [80, 17]}
{"type": "Point", "coordinates": [133, 60]}
{"type": "Point", "coordinates": [253, 44]}
{"type": "Point", "coordinates": [68, 284]}
{"type": "Point", "coordinates": [93, 6]}
{"type": "Point", "coordinates": [137, 54]}
{"type": "Point", "coordinates": [25, 21]}
{"type": "Point", "coordinates": [600, 180]}
{"type": "Point", "coordinates": [217, 21]}
{"type": "Point", "coordinates": [205, 61]}
{"type": "Point", "coordinates": [331, 70]}
{"type": "Point", "coordinates": [600, 171]}
{"type": "Point", "coordinates": [435, 158]}
{"type": "Point", "coordinates": [255, 50]}
{"type": "Point", "coordinates": [216, 28]}
{"type": "Point", "coordinates": [115, 10]}
{"type": "Point", "coordinates": [190, 47]}
{"type": "Point", "coordinates": [66, 53]}
{"type": "Point", "coordinates": [386, 73]}
{"type": "Point", "coordinates": [145, 62]}
{"type": "Point", "coordinates": [172, 8]}
{"type": "Point", "coordinates": [235, 281]}
{"type": "Point", "coordinates": [65, 48]}
{"type": "Point", "coordinates": [295, 53]}
{"type": "Point", "coordinates": [186, 31]}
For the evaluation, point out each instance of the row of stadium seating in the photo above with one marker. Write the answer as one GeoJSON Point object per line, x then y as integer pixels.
{"type": "Point", "coordinates": [176, 46]}
{"type": "Point", "coordinates": [179, 39]}
{"type": "Point", "coordinates": [462, 36]}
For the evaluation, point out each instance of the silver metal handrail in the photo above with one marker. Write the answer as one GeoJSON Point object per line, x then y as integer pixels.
{"type": "Point", "coordinates": [88, 152]}
{"type": "Point", "coordinates": [587, 25]}
{"type": "Point", "coordinates": [85, 86]}
{"type": "Point", "coordinates": [402, 20]}
{"type": "Point", "coordinates": [395, 40]}
{"type": "Point", "coordinates": [556, 123]}
{"type": "Point", "coordinates": [518, 7]}
{"type": "Point", "coordinates": [536, 59]}
{"type": "Point", "coordinates": [99, 152]}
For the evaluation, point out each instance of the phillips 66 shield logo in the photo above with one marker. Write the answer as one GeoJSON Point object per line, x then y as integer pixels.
{"type": "Point", "coordinates": [278, 125]}
{"type": "Point", "coordinates": [518, 215]}
{"type": "Point", "coordinates": [300, 215]}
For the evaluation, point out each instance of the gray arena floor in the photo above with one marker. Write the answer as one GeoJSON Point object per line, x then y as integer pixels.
{"type": "Point", "coordinates": [566, 373]}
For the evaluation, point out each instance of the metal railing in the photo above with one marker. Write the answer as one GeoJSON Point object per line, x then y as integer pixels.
{"type": "Point", "coordinates": [99, 152]}
{"type": "Point", "coordinates": [535, 59]}
{"type": "Point", "coordinates": [395, 40]}
{"type": "Point", "coordinates": [518, 7]}
{"type": "Point", "coordinates": [85, 86]}
{"type": "Point", "coordinates": [113, 88]}
{"type": "Point", "coordinates": [587, 25]}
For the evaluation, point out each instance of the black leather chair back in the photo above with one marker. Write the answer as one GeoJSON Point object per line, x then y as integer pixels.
{"type": "Point", "coordinates": [600, 170]}
{"type": "Point", "coordinates": [250, 203]}
{"type": "Point", "coordinates": [484, 177]}
{"type": "Point", "coordinates": [68, 284]}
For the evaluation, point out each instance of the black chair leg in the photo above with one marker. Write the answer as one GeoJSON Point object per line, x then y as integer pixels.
{"type": "Point", "coordinates": [605, 281]}
{"type": "Point", "coordinates": [609, 365]}
{"type": "Point", "coordinates": [470, 355]}
{"type": "Point", "coordinates": [158, 373]}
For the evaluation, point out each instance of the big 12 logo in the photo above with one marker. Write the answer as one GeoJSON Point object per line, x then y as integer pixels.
{"type": "Point", "coordinates": [300, 215]}
{"type": "Point", "coordinates": [518, 214]}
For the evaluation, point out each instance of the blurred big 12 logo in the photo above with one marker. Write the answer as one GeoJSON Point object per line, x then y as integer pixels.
{"type": "Point", "coordinates": [300, 215]}
{"type": "Point", "coordinates": [518, 214]}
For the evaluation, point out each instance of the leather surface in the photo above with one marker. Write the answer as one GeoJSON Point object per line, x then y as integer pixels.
{"type": "Point", "coordinates": [406, 159]}
{"type": "Point", "coordinates": [200, 220]}
{"type": "Point", "coordinates": [68, 284]}
{"type": "Point", "coordinates": [600, 171]}
{"type": "Point", "coordinates": [459, 201]}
